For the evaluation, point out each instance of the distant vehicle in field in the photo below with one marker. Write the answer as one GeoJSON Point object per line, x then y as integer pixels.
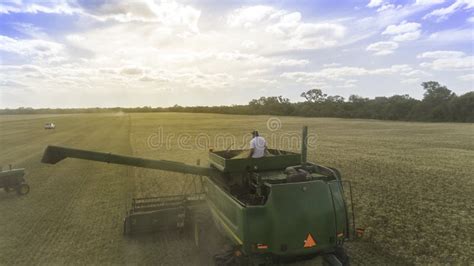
{"type": "Point", "coordinates": [14, 179]}
{"type": "Point", "coordinates": [49, 126]}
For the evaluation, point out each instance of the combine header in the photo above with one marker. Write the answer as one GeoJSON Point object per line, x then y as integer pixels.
{"type": "Point", "coordinates": [276, 208]}
{"type": "Point", "coordinates": [161, 213]}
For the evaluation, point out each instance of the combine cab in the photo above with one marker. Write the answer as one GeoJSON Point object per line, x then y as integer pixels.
{"type": "Point", "coordinates": [276, 208]}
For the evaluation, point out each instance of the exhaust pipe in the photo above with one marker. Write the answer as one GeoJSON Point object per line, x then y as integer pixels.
{"type": "Point", "coordinates": [304, 145]}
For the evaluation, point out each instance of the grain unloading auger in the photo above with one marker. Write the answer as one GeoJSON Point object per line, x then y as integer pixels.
{"type": "Point", "coordinates": [279, 207]}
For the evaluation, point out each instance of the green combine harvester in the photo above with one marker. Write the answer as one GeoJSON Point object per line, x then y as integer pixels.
{"type": "Point", "coordinates": [272, 209]}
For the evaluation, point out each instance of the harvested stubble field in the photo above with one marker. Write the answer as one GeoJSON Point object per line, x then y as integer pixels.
{"type": "Point", "coordinates": [413, 184]}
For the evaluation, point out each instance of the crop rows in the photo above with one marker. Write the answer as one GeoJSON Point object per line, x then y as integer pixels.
{"type": "Point", "coordinates": [413, 185]}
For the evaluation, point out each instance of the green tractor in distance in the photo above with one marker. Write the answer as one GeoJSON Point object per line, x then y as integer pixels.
{"type": "Point", "coordinates": [275, 208]}
{"type": "Point", "coordinates": [14, 179]}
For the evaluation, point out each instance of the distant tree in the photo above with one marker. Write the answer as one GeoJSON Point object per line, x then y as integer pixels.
{"type": "Point", "coordinates": [435, 93]}
{"type": "Point", "coordinates": [357, 99]}
{"type": "Point", "coordinates": [269, 100]}
{"type": "Point", "coordinates": [435, 105]}
{"type": "Point", "coordinates": [314, 96]}
{"type": "Point", "coordinates": [399, 107]}
{"type": "Point", "coordinates": [463, 108]}
{"type": "Point", "coordinates": [438, 104]}
{"type": "Point", "coordinates": [335, 99]}
{"type": "Point", "coordinates": [272, 105]}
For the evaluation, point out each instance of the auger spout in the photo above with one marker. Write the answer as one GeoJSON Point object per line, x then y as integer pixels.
{"type": "Point", "coordinates": [55, 154]}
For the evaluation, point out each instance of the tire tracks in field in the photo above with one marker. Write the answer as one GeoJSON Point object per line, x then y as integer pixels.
{"type": "Point", "coordinates": [17, 208]}
{"type": "Point", "coordinates": [32, 165]}
{"type": "Point", "coordinates": [49, 227]}
{"type": "Point", "coordinates": [68, 211]}
{"type": "Point", "coordinates": [44, 226]}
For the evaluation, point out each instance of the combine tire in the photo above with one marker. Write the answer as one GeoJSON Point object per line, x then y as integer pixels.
{"type": "Point", "coordinates": [342, 256]}
{"type": "Point", "coordinates": [23, 189]}
{"type": "Point", "coordinates": [8, 189]}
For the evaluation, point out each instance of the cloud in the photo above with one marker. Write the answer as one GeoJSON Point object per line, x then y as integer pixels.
{"type": "Point", "coordinates": [409, 36]}
{"type": "Point", "coordinates": [258, 71]}
{"type": "Point", "coordinates": [344, 77]}
{"type": "Point", "coordinates": [240, 57]}
{"type": "Point", "coordinates": [440, 54]}
{"type": "Point", "coordinates": [331, 65]}
{"type": "Point", "coordinates": [251, 16]}
{"type": "Point", "coordinates": [136, 48]}
{"type": "Point", "coordinates": [248, 44]}
{"type": "Point", "coordinates": [463, 63]}
{"type": "Point", "coordinates": [387, 7]}
{"type": "Point", "coordinates": [52, 7]}
{"type": "Point", "coordinates": [410, 81]}
{"type": "Point", "coordinates": [382, 48]}
{"type": "Point", "coordinates": [392, 70]}
{"type": "Point", "coordinates": [468, 77]}
{"type": "Point", "coordinates": [313, 36]}
{"type": "Point", "coordinates": [11, 84]}
{"type": "Point", "coordinates": [30, 30]}
{"type": "Point", "coordinates": [167, 13]}
{"type": "Point", "coordinates": [7, 9]}
{"type": "Point", "coordinates": [209, 81]}
{"type": "Point", "coordinates": [286, 28]}
{"type": "Point", "coordinates": [33, 48]}
{"type": "Point", "coordinates": [405, 31]}
{"type": "Point", "coordinates": [21, 68]}
{"type": "Point", "coordinates": [387, 14]}
{"type": "Point", "coordinates": [415, 73]}
{"type": "Point", "coordinates": [75, 38]}
{"type": "Point", "coordinates": [452, 36]}
{"type": "Point", "coordinates": [428, 2]}
{"type": "Point", "coordinates": [292, 62]}
{"type": "Point", "coordinates": [443, 62]}
{"type": "Point", "coordinates": [444, 13]}
{"type": "Point", "coordinates": [382, 6]}
{"type": "Point", "coordinates": [132, 70]}
{"type": "Point", "coordinates": [348, 84]}
{"type": "Point", "coordinates": [341, 73]}
{"type": "Point", "coordinates": [375, 3]}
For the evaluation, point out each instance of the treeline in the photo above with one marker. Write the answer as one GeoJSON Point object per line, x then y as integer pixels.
{"type": "Point", "coordinates": [439, 104]}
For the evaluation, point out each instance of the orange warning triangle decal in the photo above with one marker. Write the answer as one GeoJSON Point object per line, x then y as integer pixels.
{"type": "Point", "coordinates": [309, 242]}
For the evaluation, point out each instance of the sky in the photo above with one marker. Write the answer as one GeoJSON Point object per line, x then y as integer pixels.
{"type": "Point", "coordinates": [77, 53]}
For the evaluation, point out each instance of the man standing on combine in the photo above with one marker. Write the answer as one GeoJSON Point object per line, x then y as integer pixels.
{"type": "Point", "coordinates": [258, 146]}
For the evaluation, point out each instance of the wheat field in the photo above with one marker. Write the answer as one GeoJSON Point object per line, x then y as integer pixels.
{"type": "Point", "coordinates": [413, 184]}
